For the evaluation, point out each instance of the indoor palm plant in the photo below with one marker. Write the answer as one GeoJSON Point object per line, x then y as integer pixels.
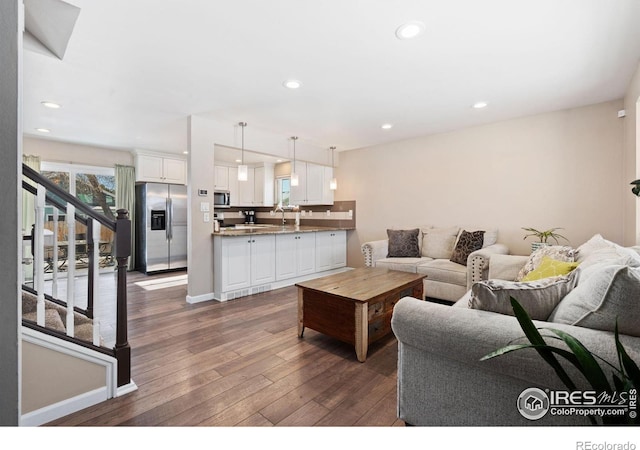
{"type": "Point", "coordinates": [543, 236]}
{"type": "Point", "coordinates": [625, 376]}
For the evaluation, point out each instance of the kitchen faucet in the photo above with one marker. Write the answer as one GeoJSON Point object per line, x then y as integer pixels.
{"type": "Point", "coordinates": [282, 209]}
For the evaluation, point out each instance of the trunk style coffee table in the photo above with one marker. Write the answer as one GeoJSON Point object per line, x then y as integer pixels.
{"type": "Point", "coordinates": [355, 306]}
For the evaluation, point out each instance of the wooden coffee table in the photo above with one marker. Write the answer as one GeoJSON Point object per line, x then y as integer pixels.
{"type": "Point", "coordinates": [355, 306]}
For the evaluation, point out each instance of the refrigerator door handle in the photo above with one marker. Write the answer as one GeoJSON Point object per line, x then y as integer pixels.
{"type": "Point", "coordinates": [169, 206]}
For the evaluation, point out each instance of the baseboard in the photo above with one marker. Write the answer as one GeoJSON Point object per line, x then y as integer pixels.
{"type": "Point", "coordinates": [63, 408]}
{"type": "Point", "coordinates": [126, 389]}
{"type": "Point", "coordinates": [200, 298]}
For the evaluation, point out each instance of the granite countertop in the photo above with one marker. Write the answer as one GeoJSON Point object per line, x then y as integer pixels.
{"type": "Point", "coordinates": [273, 229]}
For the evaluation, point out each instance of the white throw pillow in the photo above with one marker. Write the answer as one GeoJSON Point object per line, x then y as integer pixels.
{"type": "Point", "coordinates": [539, 298]}
{"type": "Point", "coordinates": [438, 243]}
{"type": "Point", "coordinates": [604, 293]}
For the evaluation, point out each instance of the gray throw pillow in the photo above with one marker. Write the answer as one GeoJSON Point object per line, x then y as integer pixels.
{"type": "Point", "coordinates": [469, 242]}
{"type": "Point", "coordinates": [538, 298]}
{"type": "Point", "coordinates": [604, 293]}
{"type": "Point", "coordinates": [403, 243]}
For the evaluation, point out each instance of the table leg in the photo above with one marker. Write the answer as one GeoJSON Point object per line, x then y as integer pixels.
{"type": "Point", "coordinates": [362, 331]}
{"type": "Point", "coordinates": [300, 312]}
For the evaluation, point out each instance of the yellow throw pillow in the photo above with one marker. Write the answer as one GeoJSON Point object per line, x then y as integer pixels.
{"type": "Point", "coordinates": [550, 268]}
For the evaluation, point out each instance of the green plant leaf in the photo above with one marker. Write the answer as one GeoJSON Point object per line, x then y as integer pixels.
{"type": "Point", "coordinates": [531, 332]}
{"type": "Point", "coordinates": [588, 365]}
{"type": "Point", "coordinates": [512, 348]}
{"type": "Point", "coordinates": [630, 367]}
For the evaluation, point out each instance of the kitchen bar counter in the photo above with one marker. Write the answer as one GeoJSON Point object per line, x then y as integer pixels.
{"type": "Point", "coordinates": [243, 230]}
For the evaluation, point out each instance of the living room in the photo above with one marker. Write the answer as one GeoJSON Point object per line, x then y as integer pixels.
{"type": "Point", "coordinates": [564, 159]}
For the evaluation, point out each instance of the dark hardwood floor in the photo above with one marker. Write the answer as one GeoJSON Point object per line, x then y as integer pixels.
{"type": "Point", "coordinates": [240, 363]}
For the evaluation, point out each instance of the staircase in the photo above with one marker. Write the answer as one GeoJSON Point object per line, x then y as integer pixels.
{"type": "Point", "coordinates": [61, 341]}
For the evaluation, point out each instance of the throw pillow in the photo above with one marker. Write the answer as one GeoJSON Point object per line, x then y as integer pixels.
{"type": "Point", "coordinates": [609, 292]}
{"type": "Point", "coordinates": [403, 243]}
{"type": "Point", "coordinates": [469, 242]}
{"type": "Point", "coordinates": [538, 298]}
{"type": "Point", "coordinates": [557, 252]}
{"type": "Point", "coordinates": [550, 268]}
{"type": "Point", "coordinates": [438, 243]}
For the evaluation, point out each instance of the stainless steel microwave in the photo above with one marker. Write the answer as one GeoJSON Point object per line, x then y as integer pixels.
{"type": "Point", "coordinates": [221, 199]}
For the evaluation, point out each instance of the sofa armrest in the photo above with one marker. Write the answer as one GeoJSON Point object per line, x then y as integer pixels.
{"type": "Point", "coordinates": [374, 250]}
{"type": "Point", "coordinates": [506, 267]}
{"type": "Point", "coordinates": [478, 262]}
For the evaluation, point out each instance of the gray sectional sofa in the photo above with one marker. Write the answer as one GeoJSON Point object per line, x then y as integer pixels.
{"type": "Point", "coordinates": [446, 280]}
{"type": "Point", "coordinates": [441, 378]}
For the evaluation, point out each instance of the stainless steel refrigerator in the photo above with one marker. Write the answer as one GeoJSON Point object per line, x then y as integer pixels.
{"type": "Point", "coordinates": [161, 227]}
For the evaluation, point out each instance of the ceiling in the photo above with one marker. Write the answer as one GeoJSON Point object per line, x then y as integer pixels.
{"type": "Point", "coordinates": [133, 71]}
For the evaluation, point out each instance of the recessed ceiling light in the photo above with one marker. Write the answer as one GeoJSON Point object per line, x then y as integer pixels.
{"type": "Point", "coordinates": [278, 160]}
{"type": "Point", "coordinates": [480, 105]}
{"type": "Point", "coordinates": [185, 152]}
{"type": "Point", "coordinates": [43, 130]}
{"type": "Point", "coordinates": [51, 105]}
{"type": "Point", "coordinates": [292, 84]}
{"type": "Point", "coordinates": [238, 160]}
{"type": "Point", "coordinates": [387, 126]}
{"type": "Point", "coordinates": [410, 30]}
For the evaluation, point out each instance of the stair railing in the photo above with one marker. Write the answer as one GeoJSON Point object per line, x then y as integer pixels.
{"type": "Point", "coordinates": [48, 193]}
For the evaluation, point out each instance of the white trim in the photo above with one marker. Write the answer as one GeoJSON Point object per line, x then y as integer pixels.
{"type": "Point", "coordinates": [63, 408]}
{"type": "Point", "coordinates": [127, 389]}
{"type": "Point", "coordinates": [200, 298]}
{"type": "Point", "coordinates": [50, 166]}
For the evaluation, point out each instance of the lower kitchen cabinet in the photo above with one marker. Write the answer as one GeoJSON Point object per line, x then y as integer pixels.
{"type": "Point", "coordinates": [295, 255]}
{"type": "Point", "coordinates": [253, 263]}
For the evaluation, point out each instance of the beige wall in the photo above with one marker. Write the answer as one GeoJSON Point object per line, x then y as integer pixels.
{"type": "Point", "coordinates": [56, 151]}
{"type": "Point", "coordinates": [560, 169]}
{"type": "Point", "coordinates": [631, 160]}
{"type": "Point", "coordinates": [66, 377]}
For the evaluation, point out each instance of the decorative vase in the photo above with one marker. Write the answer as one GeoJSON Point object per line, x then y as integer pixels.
{"type": "Point", "coordinates": [536, 245]}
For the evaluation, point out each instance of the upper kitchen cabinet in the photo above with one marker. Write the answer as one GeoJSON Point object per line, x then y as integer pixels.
{"type": "Point", "coordinates": [160, 168]}
{"type": "Point", "coordinates": [313, 185]}
{"type": "Point", "coordinates": [256, 191]}
{"type": "Point", "coordinates": [221, 181]}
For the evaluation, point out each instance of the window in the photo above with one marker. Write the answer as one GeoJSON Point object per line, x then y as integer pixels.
{"type": "Point", "coordinates": [283, 191]}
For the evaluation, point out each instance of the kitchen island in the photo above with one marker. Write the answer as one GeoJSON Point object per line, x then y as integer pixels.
{"type": "Point", "coordinates": [249, 259]}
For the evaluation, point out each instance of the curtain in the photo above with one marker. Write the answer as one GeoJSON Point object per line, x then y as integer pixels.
{"type": "Point", "coordinates": [126, 199]}
{"type": "Point", "coordinates": [28, 200]}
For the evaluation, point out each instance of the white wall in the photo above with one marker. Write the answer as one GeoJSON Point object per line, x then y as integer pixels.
{"type": "Point", "coordinates": [560, 169]}
{"type": "Point", "coordinates": [632, 160]}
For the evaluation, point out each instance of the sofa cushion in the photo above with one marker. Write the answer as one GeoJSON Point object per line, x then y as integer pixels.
{"type": "Point", "coordinates": [597, 250]}
{"type": "Point", "coordinates": [401, 264]}
{"type": "Point", "coordinates": [539, 298]}
{"type": "Point", "coordinates": [605, 292]}
{"type": "Point", "coordinates": [439, 242]}
{"type": "Point", "coordinates": [550, 268]}
{"type": "Point", "coordinates": [557, 252]}
{"type": "Point", "coordinates": [468, 242]}
{"type": "Point", "coordinates": [490, 235]}
{"type": "Point", "coordinates": [403, 243]}
{"type": "Point", "coordinates": [444, 271]}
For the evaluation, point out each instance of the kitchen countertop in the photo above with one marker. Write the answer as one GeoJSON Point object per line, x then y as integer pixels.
{"type": "Point", "coordinates": [275, 229]}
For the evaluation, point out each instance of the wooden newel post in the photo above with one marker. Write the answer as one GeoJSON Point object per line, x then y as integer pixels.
{"type": "Point", "coordinates": [122, 251]}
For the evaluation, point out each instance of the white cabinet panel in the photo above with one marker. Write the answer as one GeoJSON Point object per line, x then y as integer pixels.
{"type": "Point", "coordinates": [221, 181]}
{"type": "Point", "coordinates": [160, 169]}
{"type": "Point", "coordinates": [331, 250]}
{"type": "Point", "coordinates": [236, 263]}
{"type": "Point", "coordinates": [295, 255]}
{"type": "Point", "coordinates": [263, 251]}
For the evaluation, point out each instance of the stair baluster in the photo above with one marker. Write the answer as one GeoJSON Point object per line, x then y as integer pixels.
{"type": "Point", "coordinates": [71, 267]}
{"type": "Point", "coordinates": [38, 263]}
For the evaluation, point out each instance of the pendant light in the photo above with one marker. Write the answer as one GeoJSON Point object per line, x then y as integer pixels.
{"type": "Point", "coordinates": [333, 183]}
{"type": "Point", "coordinates": [243, 170]}
{"type": "Point", "coordinates": [294, 175]}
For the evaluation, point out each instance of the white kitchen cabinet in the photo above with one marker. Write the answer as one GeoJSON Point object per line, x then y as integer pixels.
{"type": "Point", "coordinates": [246, 189]}
{"type": "Point", "coordinates": [311, 189]}
{"type": "Point", "coordinates": [160, 169]}
{"type": "Point", "coordinates": [221, 181]}
{"type": "Point", "coordinates": [295, 255]}
{"type": "Point", "coordinates": [235, 263]}
{"type": "Point", "coordinates": [263, 250]}
{"type": "Point", "coordinates": [258, 190]}
{"type": "Point", "coordinates": [242, 262]}
{"type": "Point", "coordinates": [331, 250]}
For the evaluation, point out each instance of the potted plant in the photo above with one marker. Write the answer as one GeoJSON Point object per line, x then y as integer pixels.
{"type": "Point", "coordinates": [543, 237]}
